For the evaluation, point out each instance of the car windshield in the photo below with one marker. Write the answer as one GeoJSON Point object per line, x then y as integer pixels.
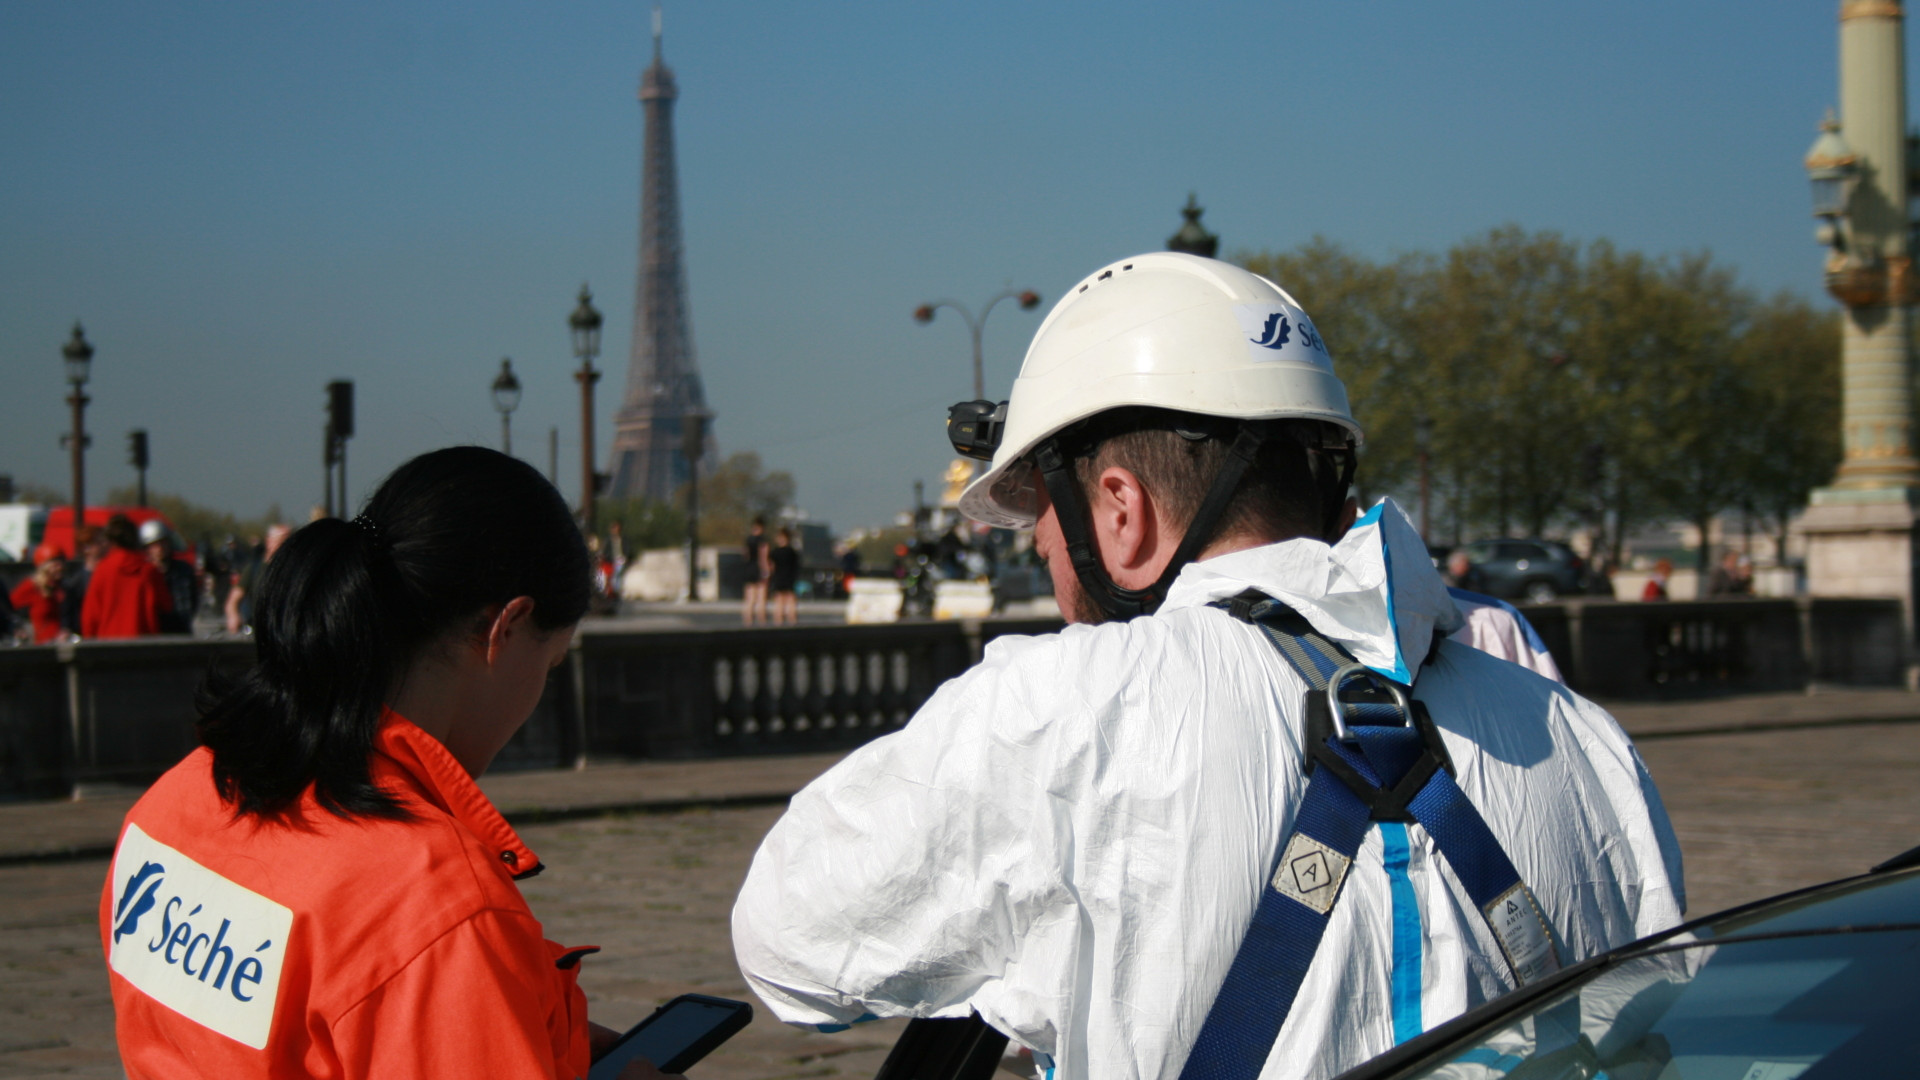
{"type": "Point", "coordinates": [1777, 1008]}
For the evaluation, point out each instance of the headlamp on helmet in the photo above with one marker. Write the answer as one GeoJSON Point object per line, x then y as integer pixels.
{"type": "Point", "coordinates": [975, 428]}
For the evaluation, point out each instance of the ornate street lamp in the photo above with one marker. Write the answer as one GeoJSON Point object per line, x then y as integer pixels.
{"type": "Point", "coordinates": [585, 323]}
{"type": "Point", "coordinates": [924, 314]}
{"type": "Point", "coordinates": [1193, 237]}
{"type": "Point", "coordinates": [506, 398]}
{"type": "Point", "coordinates": [1833, 167]}
{"type": "Point", "coordinates": [78, 357]}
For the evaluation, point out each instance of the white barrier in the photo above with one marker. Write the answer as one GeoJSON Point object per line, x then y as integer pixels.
{"type": "Point", "coordinates": [962, 600]}
{"type": "Point", "coordinates": [873, 600]}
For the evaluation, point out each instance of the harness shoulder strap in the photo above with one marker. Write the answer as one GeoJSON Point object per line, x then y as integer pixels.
{"type": "Point", "coordinates": [1367, 760]}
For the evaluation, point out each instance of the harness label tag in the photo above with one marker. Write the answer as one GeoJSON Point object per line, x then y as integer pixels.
{"type": "Point", "coordinates": [195, 942]}
{"type": "Point", "coordinates": [1311, 873]}
{"type": "Point", "coordinates": [1515, 919]}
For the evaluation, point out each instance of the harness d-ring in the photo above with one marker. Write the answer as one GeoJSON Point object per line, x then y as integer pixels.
{"type": "Point", "coordinates": [1337, 709]}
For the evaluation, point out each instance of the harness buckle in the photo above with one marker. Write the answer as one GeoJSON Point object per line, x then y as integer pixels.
{"type": "Point", "coordinates": [1337, 709]}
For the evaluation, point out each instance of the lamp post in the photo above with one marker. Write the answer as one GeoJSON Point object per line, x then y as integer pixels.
{"type": "Point", "coordinates": [506, 398]}
{"type": "Point", "coordinates": [79, 363]}
{"type": "Point", "coordinates": [585, 323]}
{"type": "Point", "coordinates": [693, 441]}
{"type": "Point", "coordinates": [924, 314]}
{"type": "Point", "coordinates": [1863, 528]}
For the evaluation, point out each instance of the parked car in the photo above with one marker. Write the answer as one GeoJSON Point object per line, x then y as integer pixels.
{"type": "Point", "coordinates": [1536, 571]}
{"type": "Point", "coordinates": [1807, 986]}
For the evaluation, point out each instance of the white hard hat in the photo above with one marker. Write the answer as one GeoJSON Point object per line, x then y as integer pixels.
{"type": "Point", "coordinates": [1164, 330]}
{"type": "Point", "coordinates": [152, 531]}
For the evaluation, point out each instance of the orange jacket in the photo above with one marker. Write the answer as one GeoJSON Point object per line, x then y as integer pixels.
{"type": "Point", "coordinates": [332, 948]}
{"type": "Point", "coordinates": [126, 596]}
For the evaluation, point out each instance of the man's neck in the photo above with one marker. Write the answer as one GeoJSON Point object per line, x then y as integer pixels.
{"type": "Point", "coordinates": [1227, 545]}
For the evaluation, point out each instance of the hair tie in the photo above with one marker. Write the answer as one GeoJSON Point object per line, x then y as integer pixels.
{"type": "Point", "coordinates": [371, 532]}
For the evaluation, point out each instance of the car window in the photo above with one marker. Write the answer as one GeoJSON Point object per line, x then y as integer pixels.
{"type": "Point", "coordinates": [1513, 549]}
{"type": "Point", "coordinates": [1796, 1008]}
{"type": "Point", "coordinates": [1881, 900]}
{"type": "Point", "coordinates": [1478, 552]}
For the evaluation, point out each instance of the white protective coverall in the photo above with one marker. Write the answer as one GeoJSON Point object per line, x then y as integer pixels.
{"type": "Point", "coordinates": [1071, 837]}
{"type": "Point", "coordinates": [1496, 627]}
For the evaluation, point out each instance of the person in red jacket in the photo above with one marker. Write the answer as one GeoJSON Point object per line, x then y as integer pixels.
{"type": "Point", "coordinates": [128, 594]}
{"type": "Point", "coordinates": [40, 596]}
{"type": "Point", "coordinates": [322, 889]}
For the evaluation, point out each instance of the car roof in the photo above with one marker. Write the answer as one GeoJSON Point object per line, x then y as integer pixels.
{"type": "Point", "coordinates": [1837, 907]}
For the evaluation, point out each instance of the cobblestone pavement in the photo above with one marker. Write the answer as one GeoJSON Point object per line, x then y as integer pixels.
{"type": "Point", "coordinates": [1756, 812]}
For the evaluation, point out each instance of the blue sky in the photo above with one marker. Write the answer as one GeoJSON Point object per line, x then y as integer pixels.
{"type": "Point", "coordinates": [243, 202]}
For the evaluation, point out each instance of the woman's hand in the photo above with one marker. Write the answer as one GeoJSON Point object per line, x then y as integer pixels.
{"type": "Point", "coordinates": [600, 1039]}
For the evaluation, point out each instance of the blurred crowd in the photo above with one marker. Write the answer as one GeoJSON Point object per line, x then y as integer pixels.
{"type": "Point", "coordinates": [128, 581]}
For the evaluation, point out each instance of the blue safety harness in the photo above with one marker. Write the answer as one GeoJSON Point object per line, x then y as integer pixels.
{"type": "Point", "coordinates": [1371, 756]}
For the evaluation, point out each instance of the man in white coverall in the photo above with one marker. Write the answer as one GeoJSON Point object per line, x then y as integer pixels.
{"type": "Point", "coordinates": [1074, 838]}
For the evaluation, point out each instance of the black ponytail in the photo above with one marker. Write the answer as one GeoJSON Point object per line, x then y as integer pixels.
{"type": "Point", "coordinates": [344, 608]}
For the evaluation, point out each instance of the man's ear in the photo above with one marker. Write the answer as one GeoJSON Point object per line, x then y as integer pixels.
{"type": "Point", "coordinates": [1124, 520]}
{"type": "Point", "coordinates": [513, 617]}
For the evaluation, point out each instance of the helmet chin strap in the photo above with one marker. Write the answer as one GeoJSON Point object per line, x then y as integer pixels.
{"type": "Point", "coordinates": [1071, 510]}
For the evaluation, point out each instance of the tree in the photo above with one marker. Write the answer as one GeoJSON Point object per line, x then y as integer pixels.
{"type": "Point", "coordinates": [644, 523]}
{"type": "Point", "coordinates": [1567, 385]}
{"type": "Point", "coordinates": [1791, 356]}
{"type": "Point", "coordinates": [1494, 329]}
{"type": "Point", "coordinates": [735, 493]}
{"type": "Point", "coordinates": [196, 523]}
{"type": "Point", "coordinates": [1691, 458]}
{"type": "Point", "coordinates": [1361, 310]}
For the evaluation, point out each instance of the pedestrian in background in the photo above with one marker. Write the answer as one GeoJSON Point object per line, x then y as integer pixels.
{"type": "Point", "coordinates": [1462, 574]}
{"type": "Point", "coordinates": [617, 552]}
{"type": "Point", "coordinates": [783, 576]}
{"type": "Point", "coordinates": [1657, 584]}
{"type": "Point", "coordinates": [128, 595]}
{"type": "Point", "coordinates": [40, 597]}
{"type": "Point", "coordinates": [240, 596]}
{"type": "Point", "coordinates": [1733, 577]}
{"type": "Point", "coordinates": [89, 547]}
{"type": "Point", "coordinates": [179, 576]}
{"type": "Point", "coordinates": [753, 605]}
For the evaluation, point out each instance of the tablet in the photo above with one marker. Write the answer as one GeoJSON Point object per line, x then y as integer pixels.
{"type": "Point", "coordinates": [677, 1035]}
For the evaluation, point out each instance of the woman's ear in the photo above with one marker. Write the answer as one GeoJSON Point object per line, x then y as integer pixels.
{"type": "Point", "coordinates": [514, 617]}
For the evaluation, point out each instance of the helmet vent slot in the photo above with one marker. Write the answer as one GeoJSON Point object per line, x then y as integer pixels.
{"type": "Point", "coordinates": [1104, 275]}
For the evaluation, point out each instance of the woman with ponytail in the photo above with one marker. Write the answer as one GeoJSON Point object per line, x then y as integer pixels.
{"type": "Point", "coordinates": [322, 889]}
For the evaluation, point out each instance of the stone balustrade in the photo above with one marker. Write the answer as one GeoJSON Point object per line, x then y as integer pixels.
{"type": "Point", "coordinates": [121, 712]}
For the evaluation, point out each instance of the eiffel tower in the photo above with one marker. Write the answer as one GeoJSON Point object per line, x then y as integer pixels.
{"type": "Point", "coordinates": [663, 384]}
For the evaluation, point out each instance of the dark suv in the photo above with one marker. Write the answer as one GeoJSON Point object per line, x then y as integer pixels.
{"type": "Point", "coordinates": [1536, 571]}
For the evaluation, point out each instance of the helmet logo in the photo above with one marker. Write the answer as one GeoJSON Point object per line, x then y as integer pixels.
{"type": "Point", "coordinates": [1274, 334]}
{"type": "Point", "coordinates": [1280, 333]}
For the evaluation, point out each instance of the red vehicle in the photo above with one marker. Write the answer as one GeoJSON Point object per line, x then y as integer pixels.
{"type": "Point", "coordinates": [59, 526]}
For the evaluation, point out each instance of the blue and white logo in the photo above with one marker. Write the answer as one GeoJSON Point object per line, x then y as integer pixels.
{"type": "Point", "coordinates": [1274, 334]}
{"type": "Point", "coordinates": [195, 942]}
{"type": "Point", "coordinates": [1277, 332]}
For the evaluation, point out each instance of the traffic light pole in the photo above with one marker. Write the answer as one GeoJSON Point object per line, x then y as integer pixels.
{"type": "Point", "coordinates": [339, 430]}
{"type": "Point", "coordinates": [326, 467]}
{"type": "Point", "coordinates": [137, 457]}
